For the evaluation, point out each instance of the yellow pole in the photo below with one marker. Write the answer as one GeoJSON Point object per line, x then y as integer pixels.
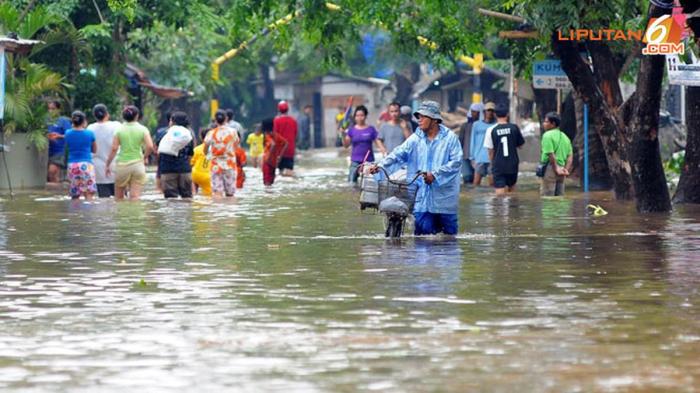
{"type": "Point", "coordinates": [214, 104]}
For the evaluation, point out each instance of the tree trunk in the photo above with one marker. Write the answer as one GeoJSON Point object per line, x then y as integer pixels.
{"type": "Point", "coordinates": [648, 174]}
{"type": "Point", "coordinates": [602, 116]}
{"type": "Point", "coordinates": [689, 185]}
{"type": "Point", "coordinates": [598, 172]}
{"type": "Point", "coordinates": [545, 101]}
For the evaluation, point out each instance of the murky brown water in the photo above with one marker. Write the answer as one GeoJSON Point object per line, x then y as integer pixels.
{"type": "Point", "coordinates": [295, 290]}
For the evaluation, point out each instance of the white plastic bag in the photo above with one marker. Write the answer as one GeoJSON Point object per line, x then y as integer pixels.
{"type": "Point", "coordinates": [175, 139]}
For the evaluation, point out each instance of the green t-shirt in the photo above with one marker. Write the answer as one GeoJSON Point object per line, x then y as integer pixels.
{"type": "Point", "coordinates": [555, 141]}
{"type": "Point", "coordinates": [131, 139]}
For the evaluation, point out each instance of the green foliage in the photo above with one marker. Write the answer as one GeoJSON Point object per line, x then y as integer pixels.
{"type": "Point", "coordinates": [673, 168]}
{"type": "Point", "coordinates": [124, 7]}
{"type": "Point", "coordinates": [26, 86]}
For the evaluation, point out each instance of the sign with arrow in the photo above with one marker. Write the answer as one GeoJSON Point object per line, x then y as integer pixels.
{"type": "Point", "coordinates": [547, 74]}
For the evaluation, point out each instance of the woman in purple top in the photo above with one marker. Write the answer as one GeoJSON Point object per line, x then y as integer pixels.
{"type": "Point", "coordinates": [361, 136]}
{"type": "Point", "coordinates": [81, 145]}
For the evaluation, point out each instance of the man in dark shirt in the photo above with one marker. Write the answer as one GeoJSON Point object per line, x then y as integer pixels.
{"type": "Point", "coordinates": [503, 141]}
{"type": "Point", "coordinates": [175, 171]}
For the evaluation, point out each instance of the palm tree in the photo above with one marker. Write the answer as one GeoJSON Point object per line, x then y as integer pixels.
{"type": "Point", "coordinates": [28, 84]}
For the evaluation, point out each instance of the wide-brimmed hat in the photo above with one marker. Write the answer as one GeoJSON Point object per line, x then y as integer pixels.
{"type": "Point", "coordinates": [429, 109]}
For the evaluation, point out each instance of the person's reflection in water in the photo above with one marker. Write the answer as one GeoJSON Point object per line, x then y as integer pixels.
{"type": "Point", "coordinates": [426, 267]}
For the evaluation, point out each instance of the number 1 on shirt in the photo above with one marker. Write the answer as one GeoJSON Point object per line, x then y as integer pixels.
{"type": "Point", "coordinates": [504, 142]}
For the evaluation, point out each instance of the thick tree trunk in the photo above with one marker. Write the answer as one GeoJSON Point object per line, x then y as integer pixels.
{"type": "Point", "coordinates": [603, 117]}
{"type": "Point", "coordinates": [545, 101]}
{"type": "Point", "coordinates": [689, 185]}
{"type": "Point", "coordinates": [644, 153]}
{"type": "Point", "coordinates": [598, 172]}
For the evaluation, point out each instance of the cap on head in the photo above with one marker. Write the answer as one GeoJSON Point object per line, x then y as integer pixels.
{"type": "Point", "coordinates": [502, 110]}
{"type": "Point", "coordinates": [490, 106]}
{"type": "Point", "coordinates": [283, 107]}
{"type": "Point", "coordinates": [429, 109]}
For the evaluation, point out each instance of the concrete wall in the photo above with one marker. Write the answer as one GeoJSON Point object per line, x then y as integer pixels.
{"type": "Point", "coordinates": [27, 166]}
{"type": "Point", "coordinates": [335, 93]}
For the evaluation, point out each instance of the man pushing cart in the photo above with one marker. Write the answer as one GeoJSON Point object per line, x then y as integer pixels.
{"type": "Point", "coordinates": [433, 156]}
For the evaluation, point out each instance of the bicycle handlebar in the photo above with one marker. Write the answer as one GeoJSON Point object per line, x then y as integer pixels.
{"type": "Point", "coordinates": [418, 174]}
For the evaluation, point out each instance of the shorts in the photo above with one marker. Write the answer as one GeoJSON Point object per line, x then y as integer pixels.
{"type": "Point", "coordinates": [130, 174]}
{"type": "Point", "coordinates": [224, 182]}
{"type": "Point", "coordinates": [59, 160]}
{"type": "Point", "coordinates": [286, 163]}
{"type": "Point", "coordinates": [105, 190]}
{"type": "Point", "coordinates": [433, 223]}
{"type": "Point", "coordinates": [505, 180]}
{"type": "Point", "coordinates": [268, 174]}
{"type": "Point", "coordinates": [483, 169]}
{"type": "Point", "coordinates": [82, 178]}
{"type": "Point", "coordinates": [176, 184]}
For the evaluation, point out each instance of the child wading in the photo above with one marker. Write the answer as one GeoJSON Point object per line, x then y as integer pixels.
{"type": "Point", "coordinates": [81, 171]}
{"type": "Point", "coordinates": [256, 141]}
{"type": "Point", "coordinates": [201, 168]}
{"type": "Point", "coordinates": [220, 147]}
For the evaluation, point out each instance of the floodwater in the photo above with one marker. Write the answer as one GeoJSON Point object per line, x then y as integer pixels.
{"type": "Point", "coordinates": [295, 290]}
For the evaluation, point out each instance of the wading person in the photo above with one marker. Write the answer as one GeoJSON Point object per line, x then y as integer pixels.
{"type": "Point", "coordinates": [132, 141]}
{"type": "Point", "coordinates": [361, 136]}
{"type": "Point", "coordinates": [220, 148]}
{"type": "Point", "coordinates": [286, 127]}
{"type": "Point", "coordinates": [304, 122]}
{"type": "Point", "coordinates": [81, 145]}
{"type": "Point", "coordinates": [104, 130]}
{"type": "Point", "coordinates": [503, 141]}
{"type": "Point", "coordinates": [465, 135]}
{"type": "Point", "coordinates": [201, 168]}
{"type": "Point", "coordinates": [160, 133]}
{"type": "Point", "coordinates": [175, 171]}
{"type": "Point", "coordinates": [394, 131]}
{"type": "Point", "coordinates": [241, 161]}
{"type": "Point", "coordinates": [435, 151]}
{"type": "Point", "coordinates": [57, 146]}
{"type": "Point", "coordinates": [478, 154]}
{"type": "Point", "coordinates": [232, 123]}
{"type": "Point", "coordinates": [275, 146]}
{"type": "Point", "coordinates": [256, 147]}
{"type": "Point", "coordinates": [557, 152]}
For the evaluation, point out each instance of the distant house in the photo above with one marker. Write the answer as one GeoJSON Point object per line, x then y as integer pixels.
{"type": "Point", "coordinates": [330, 93]}
{"type": "Point", "coordinates": [453, 89]}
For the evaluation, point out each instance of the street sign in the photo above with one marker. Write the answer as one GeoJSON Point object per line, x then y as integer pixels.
{"type": "Point", "coordinates": [680, 73]}
{"type": "Point", "coordinates": [547, 74]}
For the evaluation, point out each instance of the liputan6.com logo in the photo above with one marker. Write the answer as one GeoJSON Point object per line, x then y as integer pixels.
{"type": "Point", "coordinates": [663, 35]}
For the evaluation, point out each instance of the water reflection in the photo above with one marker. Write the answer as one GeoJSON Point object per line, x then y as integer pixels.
{"type": "Point", "coordinates": [295, 290]}
{"type": "Point", "coordinates": [421, 267]}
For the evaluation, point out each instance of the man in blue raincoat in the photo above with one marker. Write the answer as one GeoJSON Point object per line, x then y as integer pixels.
{"type": "Point", "coordinates": [436, 152]}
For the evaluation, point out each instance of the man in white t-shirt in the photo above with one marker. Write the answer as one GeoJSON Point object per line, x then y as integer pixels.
{"type": "Point", "coordinates": [104, 130]}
